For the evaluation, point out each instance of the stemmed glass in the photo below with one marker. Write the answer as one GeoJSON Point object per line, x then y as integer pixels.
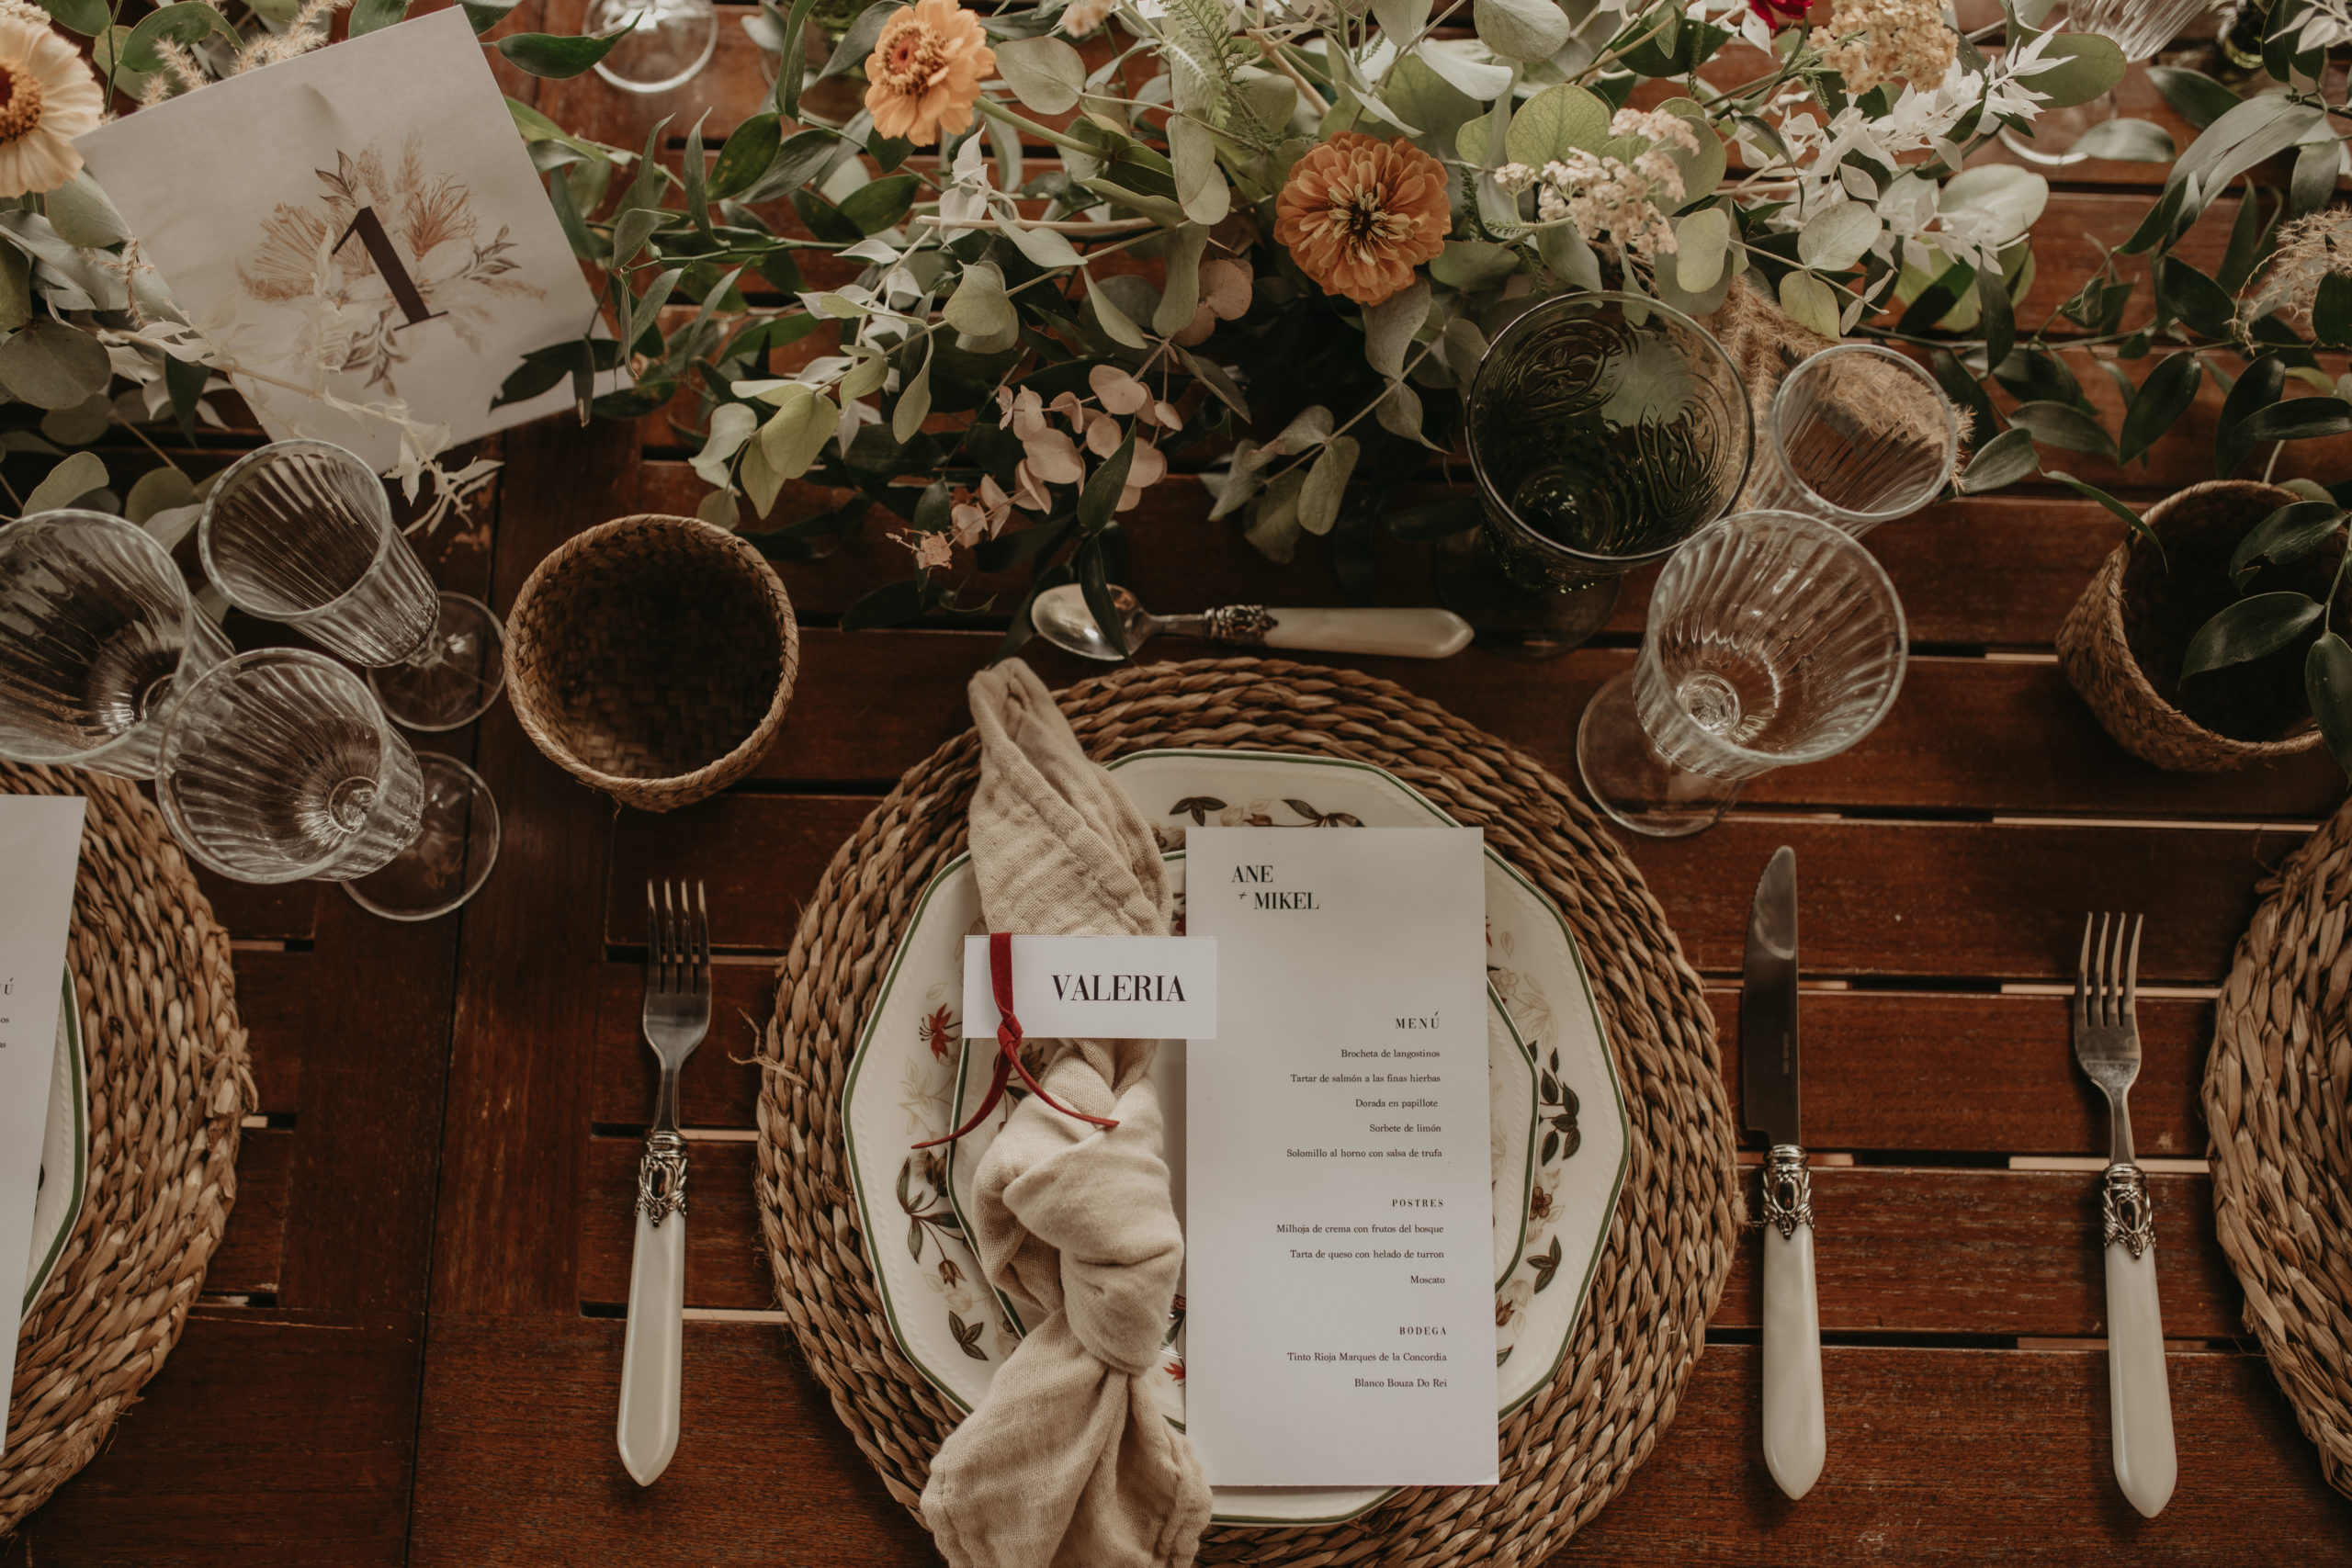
{"type": "Point", "coordinates": [2138, 28]}
{"type": "Point", "coordinates": [97, 635]}
{"type": "Point", "coordinates": [669, 43]}
{"type": "Point", "coordinates": [1773, 639]}
{"type": "Point", "coordinates": [1858, 435]}
{"type": "Point", "coordinates": [1605, 429]}
{"type": "Point", "coordinates": [279, 765]}
{"type": "Point", "coordinates": [301, 532]}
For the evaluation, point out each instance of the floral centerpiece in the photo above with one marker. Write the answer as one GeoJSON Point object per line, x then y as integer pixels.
{"type": "Point", "coordinates": [1045, 252]}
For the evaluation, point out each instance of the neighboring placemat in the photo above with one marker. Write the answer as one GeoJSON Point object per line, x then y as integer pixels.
{"type": "Point", "coordinates": [168, 1085]}
{"type": "Point", "coordinates": [2275, 1088]}
{"type": "Point", "coordinates": [1670, 1242]}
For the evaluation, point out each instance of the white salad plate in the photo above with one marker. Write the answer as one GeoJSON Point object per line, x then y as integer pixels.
{"type": "Point", "coordinates": [1560, 1131]}
{"type": "Point", "coordinates": [64, 1151]}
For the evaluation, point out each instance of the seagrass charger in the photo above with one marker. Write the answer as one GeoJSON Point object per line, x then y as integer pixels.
{"type": "Point", "coordinates": [168, 1087]}
{"type": "Point", "coordinates": [2281, 1132]}
{"type": "Point", "coordinates": [1669, 1241]}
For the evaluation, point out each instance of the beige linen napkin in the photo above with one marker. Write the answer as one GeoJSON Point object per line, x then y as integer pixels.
{"type": "Point", "coordinates": [1068, 1462]}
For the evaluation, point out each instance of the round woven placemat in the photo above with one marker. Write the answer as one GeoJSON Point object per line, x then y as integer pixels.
{"type": "Point", "coordinates": [1668, 1244]}
{"type": "Point", "coordinates": [168, 1085]}
{"type": "Point", "coordinates": [2275, 1087]}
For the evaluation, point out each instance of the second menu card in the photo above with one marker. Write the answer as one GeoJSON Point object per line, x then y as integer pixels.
{"type": "Point", "coordinates": [1340, 1308]}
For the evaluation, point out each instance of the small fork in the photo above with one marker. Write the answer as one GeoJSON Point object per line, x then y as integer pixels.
{"type": "Point", "coordinates": [2106, 1045]}
{"type": "Point", "coordinates": [677, 1016]}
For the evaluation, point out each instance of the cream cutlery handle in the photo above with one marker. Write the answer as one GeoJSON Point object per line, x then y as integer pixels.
{"type": "Point", "coordinates": [1399, 634]}
{"type": "Point", "coordinates": [651, 1374]}
{"type": "Point", "coordinates": [2138, 1393]}
{"type": "Point", "coordinates": [1796, 1433]}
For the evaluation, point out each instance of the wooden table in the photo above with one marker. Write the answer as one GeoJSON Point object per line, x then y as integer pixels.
{"type": "Point", "coordinates": [409, 1345]}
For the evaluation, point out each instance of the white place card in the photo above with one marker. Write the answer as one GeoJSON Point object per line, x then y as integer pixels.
{"type": "Point", "coordinates": [1097, 987]}
{"type": "Point", "coordinates": [1340, 1322]}
{"type": "Point", "coordinates": [41, 842]}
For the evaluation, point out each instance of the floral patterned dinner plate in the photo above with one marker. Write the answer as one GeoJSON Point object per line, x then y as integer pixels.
{"type": "Point", "coordinates": [1559, 1170]}
{"type": "Point", "coordinates": [64, 1151]}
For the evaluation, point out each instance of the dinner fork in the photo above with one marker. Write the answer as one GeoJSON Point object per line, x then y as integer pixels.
{"type": "Point", "coordinates": [2107, 1044]}
{"type": "Point", "coordinates": [677, 1015]}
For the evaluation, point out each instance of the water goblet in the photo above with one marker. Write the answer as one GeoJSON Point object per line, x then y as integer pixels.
{"type": "Point", "coordinates": [301, 532]}
{"type": "Point", "coordinates": [2138, 28]}
{"type": "Point", "coordinates": [279, 765]}
{"type": "Point", "coordinates": [1858, 435]}
{"type": "Point", "coordinates": [669, 41]}
{"type": "Point", "coordinates": [1604, 429]}
{"type": "Point", "coordinates": [97, 635]}
{"type": "Point", "coordinates": [1773, 639]}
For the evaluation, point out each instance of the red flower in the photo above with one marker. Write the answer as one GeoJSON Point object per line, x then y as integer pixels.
{"type": "Point", "coordinates": [939, 1032]}
{"type": "Point", "coordinates": [1780, 13]}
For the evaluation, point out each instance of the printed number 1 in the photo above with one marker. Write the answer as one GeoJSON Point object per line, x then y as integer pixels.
{"type": "Point", "coordinates": [370, 230]}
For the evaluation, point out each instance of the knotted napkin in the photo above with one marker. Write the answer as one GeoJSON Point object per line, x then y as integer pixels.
{"type": "Point", "coordinates": [1068, 1462]}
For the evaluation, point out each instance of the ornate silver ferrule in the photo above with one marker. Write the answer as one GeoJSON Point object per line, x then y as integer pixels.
{"type": "Point", "coordinates": [1245, 623]}
{"type": "Point", "coordinates": [2131, 1218]}
{"type": "Point", "coordinates": [662, 1177]}
{"type": "Point", "coordinates": [1788, 1189]}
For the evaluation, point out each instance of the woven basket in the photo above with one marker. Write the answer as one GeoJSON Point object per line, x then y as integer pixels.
{"type": "Point", "coordinates": [169, 1085]}
{"type": "Point", "coordinates": [652, 658]}
{"type": "Point", "coordinates": [1669, 1240]}
{"type": "Point", "coordinates": [2138, 615]}
{"type": "Point", "coordinates": [2275, 1106]}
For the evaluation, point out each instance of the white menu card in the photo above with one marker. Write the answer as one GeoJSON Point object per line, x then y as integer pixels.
{"type": "Point", "coordinates": [40, 841]}
{"type": "Point", "coordinates": [1340, 1303]}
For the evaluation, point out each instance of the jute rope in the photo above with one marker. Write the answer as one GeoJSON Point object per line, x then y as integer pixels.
{"type": "Point", "coordinates": [168, 1085]}
{"type": "Point", "coordinates": [1668, 1244]}
{"type": "Point", "coordinates": [2281, 1134]}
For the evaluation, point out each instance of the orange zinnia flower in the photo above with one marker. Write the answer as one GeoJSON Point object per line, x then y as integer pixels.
{"type": "Point", "coordinates": [925, 72]}
{"type": "Point", "coordinates": [1359, 214]}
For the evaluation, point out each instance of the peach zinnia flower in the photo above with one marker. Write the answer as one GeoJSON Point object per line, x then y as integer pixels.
{"type": "Point", "coordinates": [47, 99]}
{"type": "Point", "coordinates": [1359, 214]}
{"type": "Point", "coordinates": [925, 72]}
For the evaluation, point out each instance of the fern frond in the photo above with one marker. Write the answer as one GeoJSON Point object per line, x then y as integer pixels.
{"type": "Point", "coordinates": [1197, 38]}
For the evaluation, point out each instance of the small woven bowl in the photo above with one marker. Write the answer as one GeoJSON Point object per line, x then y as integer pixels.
{"type": "Point", "coordinates": [2127, 621]}
{"type": "Point", "coordinates": [652, 658]}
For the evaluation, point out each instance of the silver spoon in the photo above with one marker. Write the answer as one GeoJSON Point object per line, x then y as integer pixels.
{"type": "Point", "coordinates": [1062, 619]}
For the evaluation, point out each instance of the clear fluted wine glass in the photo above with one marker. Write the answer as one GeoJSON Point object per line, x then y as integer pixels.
{"type": "Point", "coordinates": [97, 634]}
{"type": "Point", "coordinates": [1773, 639]}
{"type": "Point", "coordinates": [279, 765]}
{"type": "Point", "coordinates": [2138, 28]}
{"type": "Point", "coordinates": [1858, 435]}
{"type": "Point", "coordinates": [1604, 429]}
{"type": "Point", "coordinates": [301, 532]}
{"type": "Point", "coordinates": [668, 41]}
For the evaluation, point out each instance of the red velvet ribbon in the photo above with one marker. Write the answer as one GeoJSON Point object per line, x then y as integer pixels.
{"type": "Point", "coordinates": [1008, 1058]}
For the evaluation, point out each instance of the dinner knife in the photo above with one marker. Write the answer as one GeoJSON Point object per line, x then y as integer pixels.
{"type": "Point", "coordinates": [1796, 1439]}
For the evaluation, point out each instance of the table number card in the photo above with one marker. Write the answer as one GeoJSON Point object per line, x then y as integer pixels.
{"type": "Point", "coordinates": [40, 844]}
{"type": "Point", "coordinates": [1339, 1321]}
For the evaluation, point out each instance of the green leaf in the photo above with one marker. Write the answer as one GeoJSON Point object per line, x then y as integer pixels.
{"type": "Point", "coordinates": [1553, 123]}
{"type": "Point", "coordinates": [87, 18]}
{"type": "Point", "coordinates": [2123, 513]}
{"type": "Point", "coordinates": [2258, 387]}
{"type": "Point", "coordinates": [2128, 140]}
{"type": "Point", "coordinates": [186, 383]}
{"type": "Point", "coordinates": [1997, 317]}
{"type": "Point", "coordinates": [857, 44]}
{"type": "Point", "coordinates": [746, 156]}
{"type": "Point", "coordinates": [82, 215]}
{"type": "Point", "coordinates": [68, 482]}
{"type": "Point", "coordinates": [1201, 189]}
{"type": "Point", "coordinates": [792, 66]}
{"type": "Point", "coordinates": [2248, 630]}
{"type": "Point", "coordinates": [2247, 234]}
{"type": "Point", "coordinates": [2295, 419]}
{"type": "Point", "coordinates": [979, 307]}
{"type": "Point", "coordinates": [2196, 298]}
{"type": "Point", "coordinates": [556, 57]}
{"type": "Point", "coordinates": [914, 400]}
{"type": "Point", "coordinates": [1935, 301]}
{"type": "Point", "coordinates": [158, 490]}
{"type": "Point", "coordinates": [1835, 238]}
{"type": "Point", "coordinates": [1094, 585]}
{"type": "Point", "coordinates": [1326, 485]}
{"type": "Point", "coordinates": [81, 425]}
{"type": "Point", "coordinates": [824, 220]}
{"type": "Point", "coordinates": [2195, 96]}
{"type": "Point", "coordinates": [1521, 29]}
{"type": "Point", "coordinates": [2004, 460]}
{"type": "Point", "coordinates": [2328, 685]}
{"type": "Point", "coordinates": [2161, 399]}
{"type": "Point", "coordinates": [2313, 180]}
{"type": "Point", "coordinates": [877, 204]}
{"type": "Point", "coordinates": [1044, 72]}
{"type": "Point", "coordinates": [1809, 302]}
{"type": "Point", "coordinates": [366, 16]}
{"type": "Point", "coordinates": [2063, 424]}
{"type": "Point", "coordinates": [53, 366]}
{"type": "Point", "coordinates": [2332, 308]}
{"type": "Point", "coordinates": [2289, 534]}
{"type": "Point", "coordinates": [1099, 498]}
{"type": "Point", "coordinates": [2090, 66]}
{"type": "Point", "coordinates": [187, 23]}
{"type": "Point", "coordinates": [1965, 390]}
{"type": "Point", "coordinates": [484, 14]}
